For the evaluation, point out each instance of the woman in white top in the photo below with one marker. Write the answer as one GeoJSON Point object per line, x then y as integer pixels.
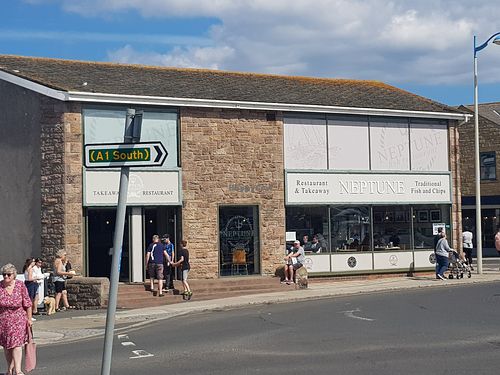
{"type": "Point", "coordinates": [467, 241]}
{"type": "Point", "coordinates": [38, 276]}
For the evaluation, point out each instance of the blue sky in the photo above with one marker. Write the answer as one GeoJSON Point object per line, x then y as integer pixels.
{"type": "Point", "coordinates": [424, 47]}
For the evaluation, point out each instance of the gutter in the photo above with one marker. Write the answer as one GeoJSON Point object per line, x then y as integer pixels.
{"type": "Point", "coordinates": [79, 96]}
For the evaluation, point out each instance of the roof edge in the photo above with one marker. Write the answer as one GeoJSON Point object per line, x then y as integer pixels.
{"type": "Point", "coordinates": [33, 86]}
{"type": "Point", "coordinates": [264, 106]}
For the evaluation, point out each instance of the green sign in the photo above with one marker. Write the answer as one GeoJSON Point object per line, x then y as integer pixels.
{"type": "Point", "coordinates": [125, 155]}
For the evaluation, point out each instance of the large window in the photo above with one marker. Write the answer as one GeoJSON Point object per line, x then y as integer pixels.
{"type": "Point", "coordinates": [348, 143]}
{"type": "Point", "coordinates": [488, 162]}
{"type": "Point", "coordinates": [305, 143]}
{"type": "Point", "coordinates": [350, 228]}
{"type": "Point", "coordinates": [239, 240]}
{"type": "Point", "coordinates": [103, 125]}
{"type": "Point", "coordinates": [391, 228]}
{"type": "Point", "coordinates": [366, 143]}
{"type": "Point", "coordinates": [426, 220]}
{"type": "Point", "coordinates": [308, 221]}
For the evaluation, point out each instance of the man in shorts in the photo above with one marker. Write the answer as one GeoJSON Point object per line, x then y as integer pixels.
{"type": "Point", "coordinates": [155, 254]}
{"type": "Point", "coordinates": [294, 260]}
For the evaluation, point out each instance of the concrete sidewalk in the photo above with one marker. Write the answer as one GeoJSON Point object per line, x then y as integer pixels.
{"type": "Point", "coordinates": [77, 325]}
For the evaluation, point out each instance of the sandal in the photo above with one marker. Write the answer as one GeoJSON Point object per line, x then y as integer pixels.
{"type": "Point", "coordinates": [61, 309]}
{"type": "Point", "coordinates": [71, 307]}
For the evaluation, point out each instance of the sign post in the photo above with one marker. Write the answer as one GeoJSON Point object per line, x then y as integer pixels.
{"type": "Point", "coordinates": [145, 154]}
{"type": "Point", "coordinates": [132, 120]}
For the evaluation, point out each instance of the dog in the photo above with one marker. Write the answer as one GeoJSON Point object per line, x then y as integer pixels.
{"type": "Point", "coordinates": [50, 305]}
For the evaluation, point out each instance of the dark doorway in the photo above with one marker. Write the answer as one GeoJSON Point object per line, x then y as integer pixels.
{"type": "Point", "coordinates": [100, 232]}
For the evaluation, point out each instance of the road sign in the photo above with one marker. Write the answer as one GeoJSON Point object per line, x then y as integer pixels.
{"type": "Point", "coordinates": [147, 154]}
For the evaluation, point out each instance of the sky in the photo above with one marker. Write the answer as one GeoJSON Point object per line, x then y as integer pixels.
{"type": "Point", "coordinates": [425, 46]}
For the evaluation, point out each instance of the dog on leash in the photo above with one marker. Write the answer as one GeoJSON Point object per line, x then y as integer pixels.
{"type": "Point", "coordinates": [50, 305]}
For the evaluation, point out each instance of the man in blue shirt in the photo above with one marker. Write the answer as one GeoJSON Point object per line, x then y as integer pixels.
{"type": "Point", "coordinates": [168, 270]}
{"type": "Point", "coordinates": [155, 255]}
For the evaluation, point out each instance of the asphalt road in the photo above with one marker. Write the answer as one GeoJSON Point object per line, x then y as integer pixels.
{"type": "Point", "coordinates": [453, 330]}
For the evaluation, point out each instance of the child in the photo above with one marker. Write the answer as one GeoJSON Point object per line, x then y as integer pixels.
{"type": "Point", "coordinates": [183, 262]}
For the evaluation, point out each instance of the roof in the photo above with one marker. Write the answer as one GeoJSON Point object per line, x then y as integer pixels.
{"type": "Point", "coordinates": [491, 111]}
{"type": "Point", "coordinates": [149, 81]}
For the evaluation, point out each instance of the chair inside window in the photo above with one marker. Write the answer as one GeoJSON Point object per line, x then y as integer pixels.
{"type": "Point", "coordinates": [239, 262]}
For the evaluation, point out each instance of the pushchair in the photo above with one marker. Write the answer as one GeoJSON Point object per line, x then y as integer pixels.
{"type": "Point", "coordinates": [457, 267]}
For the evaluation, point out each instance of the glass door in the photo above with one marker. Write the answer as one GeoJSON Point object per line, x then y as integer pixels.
{"type": "Point", "coordinates": [239, 249]}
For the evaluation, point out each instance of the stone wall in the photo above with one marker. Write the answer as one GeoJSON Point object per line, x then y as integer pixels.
{"type": "Point", "coordinates": [88, 292]}
{"type": "Point", "coordinates": [221, 148]}
{"type": "Point", "coordinates": [456, 205]}
{"type": "Point", "coordinates": [61, 181]}
{"type": "Point", "coordinates": [489, 134]}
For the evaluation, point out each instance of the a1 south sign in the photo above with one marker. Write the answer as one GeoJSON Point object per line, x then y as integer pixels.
{"type": "Point", "coordinates": [148, 154]}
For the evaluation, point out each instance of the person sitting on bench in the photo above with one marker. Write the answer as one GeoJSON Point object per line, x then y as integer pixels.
{"type": "Point", "coordinates": [294, 260]}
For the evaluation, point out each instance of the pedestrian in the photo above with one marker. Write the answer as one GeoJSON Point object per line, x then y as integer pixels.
{"type": "Point", "coordinates": [15, 318]}
{"type": "Point", "coordinates": [39, 277]}
{"type": "Point", "coordinates": [442, 255]}
{"type": "Point", "coordinates": [168, 270]}
{"type": "Point", "coordinates": [294, 260]}
{"type": "Point", "coordinates": [467, 246]}
{"type": "Point", "coordinates": [155, 254]}
{"type": "Point", "coordinates": [29, 280]}
{"type": "Point", "coordinates": [497, 240]}
{"type": "Point", "coordinates": [59, 278]}
{"type": "Point", "coordinates": [437, 237]}
{"type": "Point", "coordinates": [183, 262]}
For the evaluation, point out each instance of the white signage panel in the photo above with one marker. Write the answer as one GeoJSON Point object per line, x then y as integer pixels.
{"type": "Point", "coordinates": [352, 262]}
{"type": "Point", "coordinates": [327, 188]}
{"type": "Point", "coordinates": [393, 260]}
{"type": "Point", "coordinates": [145, 188]}
{"type": "Point", "coordinates": [425, 259]}
{"type": "Point", "coordinates": [317, 263]}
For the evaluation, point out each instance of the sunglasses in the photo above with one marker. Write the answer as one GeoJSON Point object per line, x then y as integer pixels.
{"type": "Point", "coordinates": [6, 274]}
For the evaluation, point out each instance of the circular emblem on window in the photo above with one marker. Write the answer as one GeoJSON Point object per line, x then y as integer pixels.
{"type": "Point", "coordinates": [238, 231]}
{"type": "Point", "coordinates": [393, 260]}
{"type": "Point", "coordinates": [432, 258]}
{"type": "Point", "coordinates": [351, 262]}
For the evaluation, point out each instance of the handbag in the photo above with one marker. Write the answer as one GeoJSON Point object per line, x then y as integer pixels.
{"type": "Point", "coordinates": [30, 352]}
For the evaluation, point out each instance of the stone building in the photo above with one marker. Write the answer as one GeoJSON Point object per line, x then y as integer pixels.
{"type": "Point", "coordinates": [489, 147]}
{"type": "Point", "coordinates": [254, 161]}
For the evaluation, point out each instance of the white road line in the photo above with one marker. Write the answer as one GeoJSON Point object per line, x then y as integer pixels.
{"type": "Point", "coordinates": [120, 337]}
{"type": "Point", "coordinates": [350, 314]}
{"type": "Point", "coordinates": [141, 354]}
{"type": "Point", "coordinates": [128, 343]}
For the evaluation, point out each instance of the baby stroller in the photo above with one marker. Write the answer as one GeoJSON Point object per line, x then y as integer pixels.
{"type": "Point", "coordinates": [457, 267]}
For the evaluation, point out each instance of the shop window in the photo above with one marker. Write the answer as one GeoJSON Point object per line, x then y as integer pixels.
{"type": "Point", "coordinates": [348, 143]}
{"type": "Point", "coordinates": [350, 228]}
{"type": "Point", "coordinates": [389, 144]}
{"type": "Point", "coordinates": [391, 228]}
{"type": "Point", "coordinates": [305, 143]}
{"type": "Point", "coordinates": [488, 162]}
{"type": "Point", "coordinates": [429, 145]}
{"type": "Point", "coordinates": [239, 240]}
{"type": "Point", "coordinates": [426, 220]}
{"type": "Point", "coordinates": [311, 222]}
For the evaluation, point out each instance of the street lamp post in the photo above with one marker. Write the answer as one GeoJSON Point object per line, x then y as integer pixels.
{"type": "Point", "coordinates": [479, 240]}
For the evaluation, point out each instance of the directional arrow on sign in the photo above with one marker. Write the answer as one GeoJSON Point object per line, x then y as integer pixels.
{"type": "Point", "coordinates": [146, 154]}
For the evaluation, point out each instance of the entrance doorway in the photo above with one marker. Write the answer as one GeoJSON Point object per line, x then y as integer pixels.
{"type": "Point", "coordinates": [100, 233]}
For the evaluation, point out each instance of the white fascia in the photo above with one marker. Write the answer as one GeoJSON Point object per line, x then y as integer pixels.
{"type": "Point", "coordinates": [78, 96]}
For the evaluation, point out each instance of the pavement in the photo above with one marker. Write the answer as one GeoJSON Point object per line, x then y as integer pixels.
{"type": "Point", "coordinates": [83, 324]}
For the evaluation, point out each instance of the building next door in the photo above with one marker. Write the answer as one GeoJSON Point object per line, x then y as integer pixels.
{"type": "Point", "coordinates": [239, 240]}
{"type": "Point", "coordinates": [100, 233]}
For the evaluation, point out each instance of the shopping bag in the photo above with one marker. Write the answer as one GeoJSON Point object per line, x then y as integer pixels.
{"type": "Point", "coordinates": [30, 352]}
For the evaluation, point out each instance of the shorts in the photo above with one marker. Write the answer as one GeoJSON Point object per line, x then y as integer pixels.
{"type": "Point", "coordinates": [155, 271]}
{"type": "Point", "coordinates": [296, 266]}
{"type": "Point", "coordinates": [32, 287]}
{"type": "Point", "coordinates": [60, 286]}
{"type": "Point", "coordinates": [185, 275]}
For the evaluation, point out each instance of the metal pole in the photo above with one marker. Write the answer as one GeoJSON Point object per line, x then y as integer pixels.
{"type": "Point", "coordinates": [117, 254]}
{"type": "Point", "coordinates": [479, 237]}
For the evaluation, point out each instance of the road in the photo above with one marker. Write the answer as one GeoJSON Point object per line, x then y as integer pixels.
{"type": "Point", "coordinates": [450, 330]}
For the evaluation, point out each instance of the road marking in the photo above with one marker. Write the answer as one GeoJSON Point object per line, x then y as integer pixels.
{"type": "Point", "coordinates": [141, 354]}
{"type": "Point", "coordinates": [128, 343]}
{"type": "Point", "coordinates": [122, 337]}
{"type": "Point", "coordinates": [350, 314]}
